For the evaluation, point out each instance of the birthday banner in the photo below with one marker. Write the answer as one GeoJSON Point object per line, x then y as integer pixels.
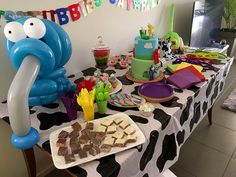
{"type": "Point", "coordinates": [75, 11]}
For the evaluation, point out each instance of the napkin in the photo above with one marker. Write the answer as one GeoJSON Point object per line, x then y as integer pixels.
{"type": "Point", "coordinates": [185, 64]}
{"type": "Point", "coordinates": [195, 72]}
{"type": "Point", "coordinates": [183, 79]}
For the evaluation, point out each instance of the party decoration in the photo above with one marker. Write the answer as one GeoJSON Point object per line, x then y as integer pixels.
{"type": "Point", "coordinates": [102, 92]}
{"type": "Point", "coordinates": [150, 30]}
{"type": "Point", "coordinates": [1, 13]}
{"type": "Point", "coordinates": [102, 96]}
{"type": "Point", "coordinates": [98, 3]}
{"type": "Point", "coordinates": [129, 3]}
{"type": "Point", "coordinates": [144, 5]}
{"type": "Point", "coordinates": [176, 40]}
{"type": "Point", "coordinates": [89, 6]}
{"type": "Point", "coordinates": [137, 4]}
{"type": "Point", "coordinates": [83, 8]}
{"type": "Point", "coordinates": [74, 12]}
{"type": "Point", "coordinates": [52, 14]}
{"type": "Point", "coordinates": [62, 17]}
{"type": "Point", "coordinates": [88, 84]}
{"type": "Point", "coordinates": [120, 3]}
{"type": "Point", "coordinates": [69, 101]}
{"type": "Point", "coordinates": [86, 100]}
{"type": "Point", "coordinates": [40, 79]}
{"type": "Point", "coordinates": [112, 1]}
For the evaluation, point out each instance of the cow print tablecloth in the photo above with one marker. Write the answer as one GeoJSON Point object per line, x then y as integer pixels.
{"type": "Point", "coordinates": [166, 131]}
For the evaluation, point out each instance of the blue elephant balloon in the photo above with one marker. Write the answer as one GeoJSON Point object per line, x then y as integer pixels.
{"type": "Point", "coordinates": [51, 45]}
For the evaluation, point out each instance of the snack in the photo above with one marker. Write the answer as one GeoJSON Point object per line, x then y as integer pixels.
{"type": "Point", "coordinates": [90, 125]}
{"type": "Point", "coordinates": [106, 122]}
{"type": "Point", "coordinates": [75, 148]}
{"type": "Point", "coordinates": [131, 139]}
{"type": "Point", "coordinates": [118, 135]}
{"type": "Point", "coordinates": [61, 142]}
{"type": "Point", "coordinates": [105, 148]}
{"type": "Point", "coordinates": [76, 126]}
{"type": "Point", "coordinates": [82, 154]}
{"type": "Point", "coordinates": [117, 121]}
{"type": "Point", "coordinates": [83, 139]}
{"type": "Point", "coordinates": [112, 79]}
{"type": "Point", "coordinates": [120, 142]}
{"type": "Point", "coordinates": [69, 158]}
{"type": "Point", "coordinates": [74, 133]}
{"type": "Point", "coordinates": [111, 129]}
{"type": "Point", "coordinates": [62, 151]}
{"type": "Point", "coordinates": [101, 129]}
{"type": "Point", "coordinates": [63, 134]}
{"type": "Point", "coordinates": [129, 130]}
{"type": "Point", "coordinates": [124, 124]}
{"type": "Point", "coordinates": [109, 141]}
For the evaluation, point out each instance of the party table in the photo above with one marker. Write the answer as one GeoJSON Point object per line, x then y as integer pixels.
{"type": "Point", "coordinates": [165, 130]}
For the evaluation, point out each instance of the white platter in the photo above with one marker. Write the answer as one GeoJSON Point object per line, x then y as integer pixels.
{"type": "Point", "coordinates": [59, 161]}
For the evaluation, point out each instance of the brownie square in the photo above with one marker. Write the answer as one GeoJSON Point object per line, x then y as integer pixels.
{"type": "Point", "coordinates": [83, 139]}
{"type": "Point", "coordinates": [95, 142]}
{"type": "Point", "coordinates": [90, 125]}
{"type": "Point", "coordinates": [74, 140]}
{"type": "Point", "coordinates": [69, 158]}
{"type": "Point", "coordinates": [61, 142]}
{"type": "Point", "coordinates": [82, 154]}
{"type": "Point", "coordinates": [74, 133]}
{"type": "Point", "coordinates": [63, 134]}
{"type": "Point", "coordinates": [62, 151]}
{"type": "Point", "coordinates": [75, 148]}
{"type": "Point", "coordinates": [76, 126]}
{"type": "Point", "coordinates": [87, 147]}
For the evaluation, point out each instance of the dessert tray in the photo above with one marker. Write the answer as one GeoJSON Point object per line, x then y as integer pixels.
{"type": "Point", "coordinates": [156, 92]}
{"type": "Point", "coordinates": [157, 79]}
{"type": "Point", "coordinates": [125, 100]}
{"type": "Point", "coordinates": [83, 142]}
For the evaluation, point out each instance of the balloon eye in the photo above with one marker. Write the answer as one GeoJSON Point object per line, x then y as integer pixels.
{"type": "Point", "coordinates": [14, 31]}
{"type": "Point", "coordinates": [34, 28]}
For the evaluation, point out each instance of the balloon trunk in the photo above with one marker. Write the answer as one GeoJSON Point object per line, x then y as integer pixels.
{"type": "Point", "coordinates": [17, 101]}
{"type": "Point", "coordinates": [171, 20]}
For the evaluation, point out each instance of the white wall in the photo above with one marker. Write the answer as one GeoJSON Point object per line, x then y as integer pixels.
{"type": "Point", "coordinates": [117, 26]}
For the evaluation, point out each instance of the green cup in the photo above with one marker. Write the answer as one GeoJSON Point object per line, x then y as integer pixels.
{"type": "Point", "coordinates": [102, 106]}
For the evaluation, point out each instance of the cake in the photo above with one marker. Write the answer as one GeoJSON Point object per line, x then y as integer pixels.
{"type": "Point", "coordinates": [145, 63]}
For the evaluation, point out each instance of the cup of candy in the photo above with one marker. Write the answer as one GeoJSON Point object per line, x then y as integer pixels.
{"type": "Point", "coordinates": [101, 53]}
{"type": "Point", "coordinates": [146, 109]}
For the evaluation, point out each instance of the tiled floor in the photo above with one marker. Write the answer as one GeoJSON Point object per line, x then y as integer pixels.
{"type": "Point", "coordinates": [211, 150]}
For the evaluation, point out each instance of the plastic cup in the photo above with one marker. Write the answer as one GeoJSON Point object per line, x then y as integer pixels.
{"type": "Point", "coordinates": [101, 57]}
{"type": "Point", "coordinates": [102, 107]}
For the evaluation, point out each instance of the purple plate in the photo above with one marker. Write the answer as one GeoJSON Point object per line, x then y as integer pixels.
{"type": "Point", "coordinates": [156, 90]}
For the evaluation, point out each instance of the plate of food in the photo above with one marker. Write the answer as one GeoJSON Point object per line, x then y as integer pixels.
{"type": "Point", "coordinates": [116, 84]}
{"type": "Point", "coordinates": [125, 100]}
{"type": "Point", "coordinates": [83, 142]}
